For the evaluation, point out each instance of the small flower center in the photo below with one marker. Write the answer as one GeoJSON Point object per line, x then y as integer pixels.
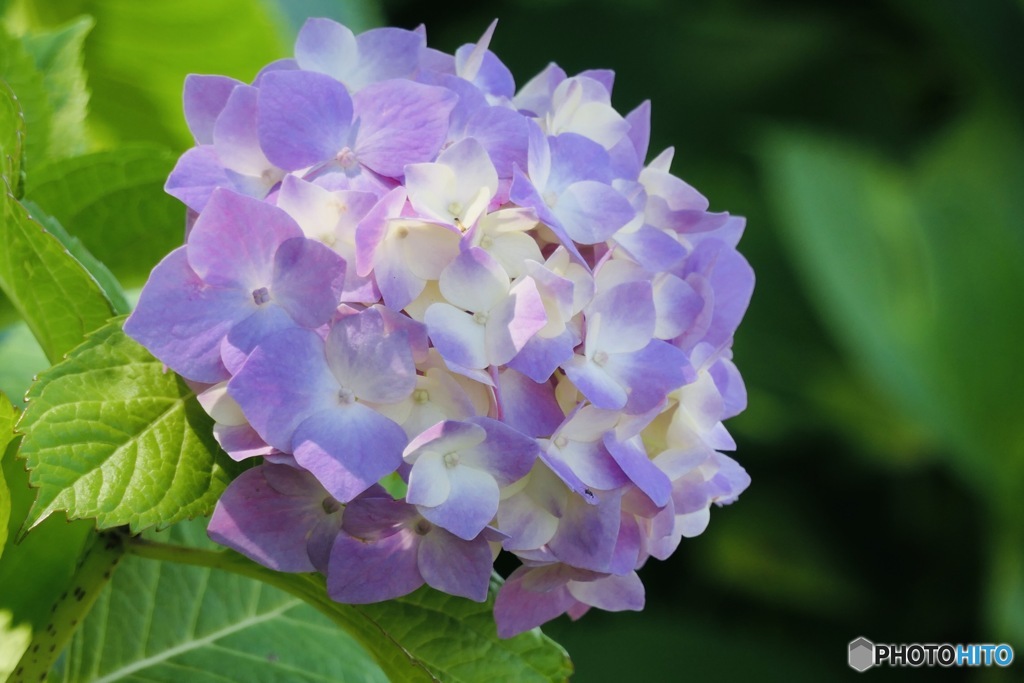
{"type": "Point", "coordinates": [480, 317]}
{"type": "Point", "coordinates": [550, 198]}
{"type": "Point", "coordinates": [455, 209]}
{"type": "Point", "coordinates": [330, 505]}
{"type": "Point", "coordinates": [601, 357]}
{"type": "Point", "coordinates": [346, 397]}
{"type": "Point", "coordinates": [346, 158]}
{"type": "Point", "coordinates": [402, 232]}
{"type": "Point", "coordinates": [422, 527]}
{"type": "Point", "coordinates": [339, 206]}
{"type": "Point", "coordinates": [561, 441]}
{"type": "Point", "coordinates": [486, 242]}
{"type": "Point", "coordinates": [261, 296]}
{"type": "Point", "coordinates": [451, 460]}
{"type": "Point", "coordinates": [421, 396]}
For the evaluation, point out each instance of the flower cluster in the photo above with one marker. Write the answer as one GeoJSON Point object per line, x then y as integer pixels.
{"type": "Point", "coordinates": [450, 318]}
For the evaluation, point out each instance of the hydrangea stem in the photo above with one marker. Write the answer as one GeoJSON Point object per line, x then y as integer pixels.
{"type": "Point", "coordinates": [93, 572]}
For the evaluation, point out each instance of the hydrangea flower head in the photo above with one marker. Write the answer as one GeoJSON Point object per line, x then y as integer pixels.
{"type": "Point", "coordinates": [409, 276]}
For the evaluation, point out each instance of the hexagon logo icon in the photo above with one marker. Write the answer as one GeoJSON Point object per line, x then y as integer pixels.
{"type": "Point", "coordinates": [862, 654]}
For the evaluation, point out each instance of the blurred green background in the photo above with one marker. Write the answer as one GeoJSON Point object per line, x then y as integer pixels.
{"type": "Point", "coordinates": [877, 151]}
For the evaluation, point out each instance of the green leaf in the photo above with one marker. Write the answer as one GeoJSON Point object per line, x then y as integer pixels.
{"type": "Point", "coordinates": [52, 292]}
{"type": "Point", "coordinates": [7, 415]}
{"type": "Point", "coordinates": [26, 81]}
{"type": "Point", "coordinates": [92, 574]}
{"type": "Point", "coordinates": [918, 270]}
{"type": "Point", "coordinates": [58, 57]}
{"type": "Point", "coordinates": [111, 435]}
{"type": "Point", "coordinates": [455, 639]}
{"type": "Point", "coordinates": [412, 637]}
{"type": "Point", "coordinates": [424, 636]}
{"type": "Point", "coordinates": [108, 284]}
{"type": "Point", "coordinates": [166, 621]}
{"type": "Point", "coordinates": [58, 299]}
{"type": "Point", "coordinates": [115, 202]}
{"type": "Point", "coordinates": [139, 53]}
{"type": "Point", "coordinates": [12, 138]}
{"type": "Point", "coordinates": [23, 359]}
{"type": "Point", "coordinates": [35, 571]}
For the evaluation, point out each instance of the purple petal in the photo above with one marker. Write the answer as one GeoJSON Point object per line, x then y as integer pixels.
{"type": "Point", "coordinates": [386, 53]}
{"type": "Point", "coordinates": [327, 47]}
{"type": "Point", "coordinates": [654, 249]}
{"type": "Point", "coordinates": [373, 227]}
{"type": "Point", "coordinates": [541, 357]}
{"type": "Point", "coordinates": [632, 458]}
{"type": "Point", "coordinates": [606, 77]}
{"type": "Point", "coordinates": [503, 133]}
{"type": "Point", "coordinates": [266, 524]}
{"type": "Point", "coordinates": [677, 305]}
{"type": "Point", "coordinates": [304, 118]}
{"type": "Point", "coordinates": [640, 129]}
{"type": "Point", "coordinates": [197, 174]}
{"type": "Point", "coordinates": [374, 366]}
{"type": "Point", "coordinates": [235, 239]}
{"type": "Point", "coordinates": [627, 318]}
{"type": "Point", "coordinates": [205, 98]}
{"type": "Point", "coordinates": [611, 593]}
{"type": "Point", "coordinates": [514, 321]}
{"type": "Point", "coordinates": [360, 573]}
{"type": "Point", "coordinates": [733, 282]}
{"type": "Point", "coordinates": [349, 448]}
{"type": "Point", "coordinates": [474, 281]}
{"type": "Point", "coordinates": [457, 336]}
{"type": "Point", "coordinates": [590, 462]}
{"type": "Point", "coordinates": [517, 609]}
{"type": "Point", "coordinates": [284, 381]}
{"type": "Point", "coordinates": [627, 556]}
{"type": "Point", "coordinates": [650, 374]}
{"type": "Point", "coordinates": [730, 386]}
{"type": "Point", "coordinates": [276, 65]}
{"type": "Point", "coordinates": [575, 158]}
{"type": "Point", "coordinates": [507, 454]}
{"type": "Point", "coordinates": [668, 194]}
{"type": "Point", "coordinates": [534, 98]}
{"type": "Point", "coordinates": [240, 441]}
{"type": "Point", "coordinates": [531, 523]}
{"type": "Point", "coordinates": [246, 334]}
{"type": "Point", "coordinates": [529, 406]}
{"type": "Point", "coordinates": [235, 134]}
{"type": "Point", "coordinates": [398, 285]}
{"type": "Point", "coordinates": [456, 566]}
{"type": "Point", "coordinates": [523, 193]}
{"type": "Point", "coordinates": [471, 504]}
{"type": "Point", "coordinates": [427, 248]}
{"type": "Point", "coordinates": [375, 515]}
{"type": "Point", "coordinates": [586, 535]}
{"type": "Point", "coordinates": [182, 321]}
{"type": "Point", "coordinates": [307, 281]}
{"type": "Point", "coordinates": [603, 390]}
{"type": "Point", "coordinates": [401, 122]}
{"type": "Point", "coordinates": [446, 436]}
{"type": "Point", "coordinates": [592, 212]}
{"type": "Point", "coordinates": [429, 484]}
